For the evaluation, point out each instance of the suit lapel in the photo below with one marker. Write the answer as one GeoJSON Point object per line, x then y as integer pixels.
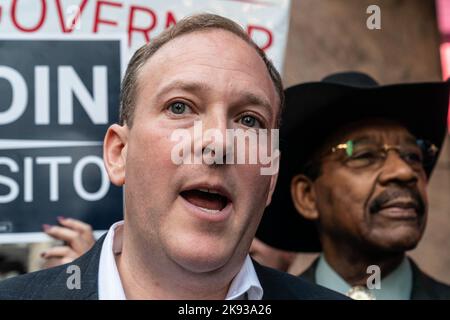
{"type": "Point", "coordinates": [426, 288]}
{"type": "Point", "coordinates": [88, 264]}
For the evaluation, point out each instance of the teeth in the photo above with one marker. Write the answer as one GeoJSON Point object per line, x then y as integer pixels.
{"type": "Point", "coordinates": [208, 191]}
{"type": "Point", "coordinates": [209, 210]}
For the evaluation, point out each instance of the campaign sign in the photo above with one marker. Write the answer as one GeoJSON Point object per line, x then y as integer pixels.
{"type": "Point", "coordinates": [57, 99]}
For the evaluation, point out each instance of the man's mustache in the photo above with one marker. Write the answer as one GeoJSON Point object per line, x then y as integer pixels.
{"type": "Point", "coordinates": [391, 194]}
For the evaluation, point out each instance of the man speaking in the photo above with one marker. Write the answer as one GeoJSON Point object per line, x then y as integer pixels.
{"type": "Point", "coordinates": [187, 228]}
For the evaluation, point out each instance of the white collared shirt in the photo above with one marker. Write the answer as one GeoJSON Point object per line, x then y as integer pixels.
{"type": "Point", "coordinates": [245, 284]}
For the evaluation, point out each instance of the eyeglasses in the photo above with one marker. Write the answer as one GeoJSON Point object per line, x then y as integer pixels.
{"type": "Point", "coordinates": [366, 153]}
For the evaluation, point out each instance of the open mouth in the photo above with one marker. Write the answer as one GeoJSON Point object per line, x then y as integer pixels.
{"type": "Point", "coordinates": [208, 200]}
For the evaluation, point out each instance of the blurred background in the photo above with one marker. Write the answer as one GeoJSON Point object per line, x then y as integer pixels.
{"type": "Point", "coordinates": [322, 37]}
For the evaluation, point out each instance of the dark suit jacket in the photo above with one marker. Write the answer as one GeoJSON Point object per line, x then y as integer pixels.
{"type": "Point", "coordinates": [423, 287]}
{"type": "Point", "coordinates": [52, 283]}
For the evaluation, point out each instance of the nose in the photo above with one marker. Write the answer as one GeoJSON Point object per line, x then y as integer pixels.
{"type": "Point", "coordinates": [215, 146]}
{"type": "Point", "coordinates": [395, 169]}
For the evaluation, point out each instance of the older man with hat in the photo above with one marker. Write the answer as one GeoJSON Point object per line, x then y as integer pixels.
{"type": "Point", "coordinates": [356, 161]}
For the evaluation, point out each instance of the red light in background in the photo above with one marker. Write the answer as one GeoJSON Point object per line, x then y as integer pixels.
{"type": "Point", "coordinates": [443, 18]}
{"type": "Point", "coordinates": [445, 62]}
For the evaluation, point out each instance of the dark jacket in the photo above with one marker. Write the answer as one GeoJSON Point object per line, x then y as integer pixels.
{"type": "Point", "coordinates": [423, 287]}
{"type": "Point", "coordinates": [52, 283]}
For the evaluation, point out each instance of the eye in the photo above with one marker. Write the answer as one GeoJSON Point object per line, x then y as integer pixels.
{"type": "Point", "coordinates": [363, 158]}
{"type": "Point", "coordinates": [365, 155]}
{"type": "Point", "coordinates": [250, 121]}
{"type": "Point", "coordinates": [413, 157]}
{"type": "Point", "coordinates": [178, 108]}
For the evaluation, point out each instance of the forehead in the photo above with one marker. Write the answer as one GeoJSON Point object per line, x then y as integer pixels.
{"type": "Point", "coordinates": [378, 129]}
{"type": "Point", "coordinates": [214, 57]}
{"type": "Point", "coordinates": [227, 47]}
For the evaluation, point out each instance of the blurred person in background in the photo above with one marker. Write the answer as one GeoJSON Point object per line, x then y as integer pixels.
{"type": "Point", "coordinates": [270, 256]}
{"type": "Point", "coordinates": [356, 162]}
{"type": "Point", "coordinates": [77, 238]}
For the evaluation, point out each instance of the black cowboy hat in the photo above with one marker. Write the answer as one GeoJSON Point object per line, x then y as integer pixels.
{"type": "Point", "coordinates": [315, 110]}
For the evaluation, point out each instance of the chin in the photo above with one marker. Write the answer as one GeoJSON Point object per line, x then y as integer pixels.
{"type": "Point", "coordinates": [397, 243]}
{"type": "Point", "coordinates": [200, 256]}
{"type": "Point", "coordinates": [395, 237]}
{"type": "Point", "coordinates": [401, 246]}
{"type": "Point", "coordinates": [201, 263]}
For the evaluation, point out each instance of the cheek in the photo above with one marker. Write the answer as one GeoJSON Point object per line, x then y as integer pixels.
{"type": "Point", "coordinates": [149, 149]}
{"type": "Point", "coordinates": [422, 188]}
{"type": "Point", "coordinates": [341, 201]}
{"type": "Point", "coordinates": [253, 184]}
{"type": "Point", "coordinates": [149, 167]}
{"type": "Point", "coordinates": [252, 190]}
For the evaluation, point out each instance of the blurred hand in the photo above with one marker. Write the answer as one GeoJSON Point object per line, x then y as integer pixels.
{"type": "Point", "coordinates": [77, 236]}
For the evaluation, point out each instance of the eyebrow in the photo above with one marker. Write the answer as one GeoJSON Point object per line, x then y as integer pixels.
{"type": "Point", "coordinates": [411, 139]}
{"type": "Point", "coordinates": [183, 85]}
{"type": "Point", "coordinates": [364, 138]}
{"type": "Point", "coordinates": [245, 97]}
{"type": "Point", "coordinates": [249, 98]}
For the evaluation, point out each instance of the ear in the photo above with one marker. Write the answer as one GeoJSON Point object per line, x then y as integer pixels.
{"type": "Point", "coordinates": [115, 153]}
{"type": "Point", "coordinates": [304, 197]}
